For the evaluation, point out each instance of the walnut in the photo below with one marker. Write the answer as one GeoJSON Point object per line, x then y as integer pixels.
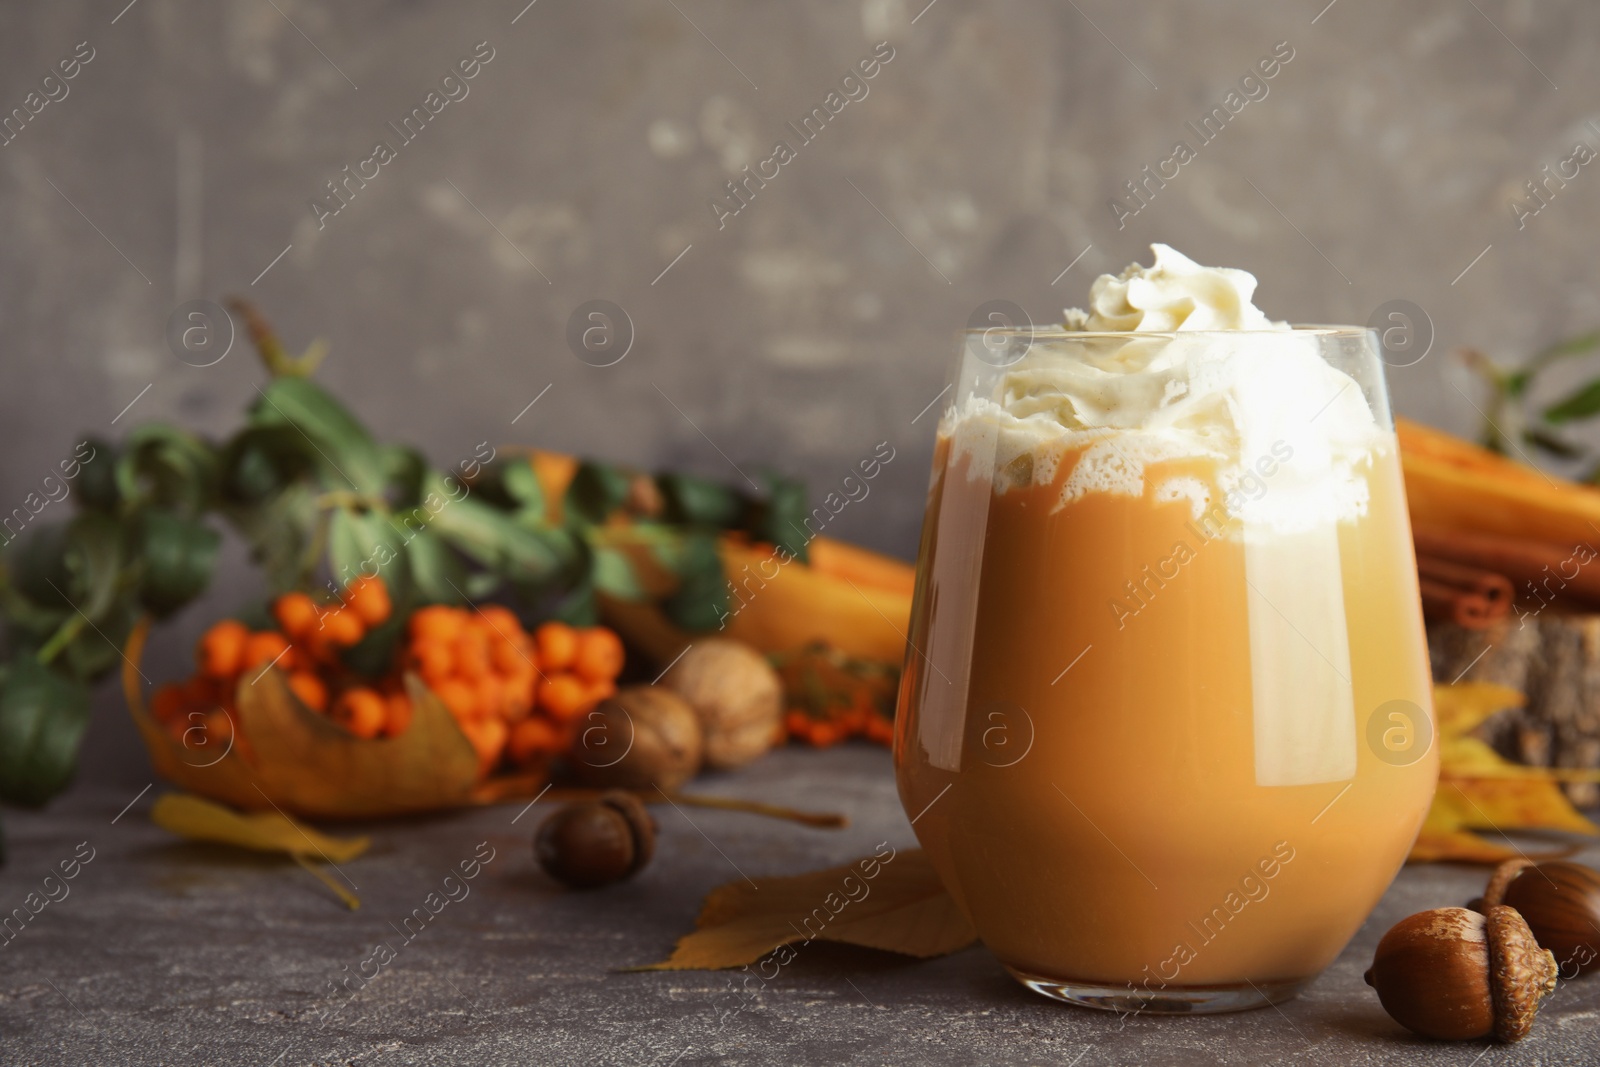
{"type": "Point", "coordinates": [644, 736]}
{"type": "Point", "coordinates": [736, 694]}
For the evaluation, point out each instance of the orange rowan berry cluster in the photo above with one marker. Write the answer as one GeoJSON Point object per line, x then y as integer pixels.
{"type": "Point", "coordinates": [305, 648]}
{"type": "Point", "coordinates": [512, 693]}
{"type": "Point", "coordinates": [832, 697]}
{"type": "Point", "coordinates": [855, 722]}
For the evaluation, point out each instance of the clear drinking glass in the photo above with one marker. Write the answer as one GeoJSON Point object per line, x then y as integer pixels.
{"type": "Point", "coordinates": [1165, 727]}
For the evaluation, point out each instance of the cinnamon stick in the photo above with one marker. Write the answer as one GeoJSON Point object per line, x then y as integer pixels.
{"type": "Point", "coordinates": [1492, 586]}
{"type": "Point", "coordinates": [1536, 569]}
{"type": "Point", "coordinates": [1467, 609]}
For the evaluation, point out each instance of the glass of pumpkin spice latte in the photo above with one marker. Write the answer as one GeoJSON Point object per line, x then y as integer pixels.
{"type": "Point", "coordinates": [1165, 727]}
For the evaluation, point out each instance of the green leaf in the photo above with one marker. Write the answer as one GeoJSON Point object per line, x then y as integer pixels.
{"type": "Point", "coordinates": [597, 490]}
{"type": "Point", "coordinates": [373, 655]}
{"type": "Point", "coordinates": [614, 575]}
{"type": "Point", "coordinates": [97, 478]}
{"type": "Point", "coordinates": [28, 623]}
{"type": "Point", "coordinates": [261, 461]}
{"type": "Point", "coordinates": [366, 543]}
{"type": "Point", "coordinates": [39, 566]}
{"type": "Point", "coordinates": [95, 651]}
{"type": "Point", "coordinates": [481, 585]}
{"type": "Point", "coordinates": [576, 607]}
{"type": "Point", "coordinates": [781, 519]}
{"type": "Point", "coordinates": [279, 531]}
{"type": "Point", "coordinates": [42, 719]}
{"type": "Point", "coordinates": [72, 565]}
{"type": "Point", "coordinates": [696, 501]}
{"type": "Point", "coordinates": [177, 555]}
{"type": "Point", "coordinates": [1572, 346]}
{"type": "Point", "coordinates": [347, 455]}
{"type": "Point", "coordinates": [166, 467]}
{"type": "Point", "coordinates": [522, 485]}
{"type": "Point", "coordinates": [437, 573]}
{"type": "Point", "coordinates": [511, 485]}
{"type": "Point", "coordinates": [701, 600]}
{"type": "Point", "coordinates": [1581, 403]}
{"type": "Point", "coordinates": [1551, 443]}
{"type": "Point", "coordinates": [1516, 383]}
{"type": "Point", "coordinates": [405, 472]}
{"type": "Point", "coordinates": [499, 543]}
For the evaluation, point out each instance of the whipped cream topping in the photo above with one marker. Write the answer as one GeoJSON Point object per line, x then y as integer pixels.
{"type": "Point", "coordinates": [1175, 293]}
{"type": "Point", "coordinates": [1247, 393]}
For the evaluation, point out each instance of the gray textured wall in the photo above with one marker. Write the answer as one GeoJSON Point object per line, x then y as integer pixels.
{"type": "Point", "coordinates": [1380, 164]}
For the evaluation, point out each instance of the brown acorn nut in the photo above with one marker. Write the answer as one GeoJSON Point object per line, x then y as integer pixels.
{"type": "Point", "coordinates": [736, 694]}
{"type": "Point", "coordinates": [1560, 902]}
{"type": "Point", "coordinates": [644, 736]}
{"type": "Point", "coordinates": [1456, 974]}
{"type": "Point", "coordinates": [595, 842]}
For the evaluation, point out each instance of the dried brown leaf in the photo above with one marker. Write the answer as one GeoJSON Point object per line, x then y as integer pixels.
{"type": "Point", "coordinates": [892, 901]}
{"type": "Point", "coordinates": [301, 763]}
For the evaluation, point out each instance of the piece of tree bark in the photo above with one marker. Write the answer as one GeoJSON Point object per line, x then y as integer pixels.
{"type": "Point", "coordinates": [1552, 658]}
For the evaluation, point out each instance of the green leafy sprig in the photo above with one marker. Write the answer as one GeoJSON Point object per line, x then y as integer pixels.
{"type": "Point", "coordinates": [319, 501]}
{"type": "Point", "coordinates": [1511, 417]}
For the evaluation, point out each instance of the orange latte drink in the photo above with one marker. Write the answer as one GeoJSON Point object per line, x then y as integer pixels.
{"type": "Point", "coordinates": [1165, 726]}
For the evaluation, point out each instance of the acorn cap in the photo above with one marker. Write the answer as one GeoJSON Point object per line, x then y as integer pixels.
{"type": "Point", "coordinates": [1495, 892]}
{"type": "Point", "coordinates": [1520, 973]}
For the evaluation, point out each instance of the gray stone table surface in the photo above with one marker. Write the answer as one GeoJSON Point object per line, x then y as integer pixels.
{"type": "Point", "coordinates": [167, 952]}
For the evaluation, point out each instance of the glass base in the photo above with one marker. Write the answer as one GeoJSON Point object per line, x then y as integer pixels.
{"type": "Point", "coordinates": [1173, 1000]}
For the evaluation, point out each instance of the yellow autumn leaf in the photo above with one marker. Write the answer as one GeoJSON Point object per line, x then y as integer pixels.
{"type": "Point", "coordinates": [1462, 708]}
{"type": "Point", "coordinates": [892, 901]}
{"type": "Point", "coordinates": [1471, 756]}
{"type": "Point", "coordinates": [1480, 790]}
{"type": "Point", "coordinates": [268, 831]}
{"type": "Point", "coordinates": [1457, 846]}
{"type": "Point", "coordinates": [1508, 803]}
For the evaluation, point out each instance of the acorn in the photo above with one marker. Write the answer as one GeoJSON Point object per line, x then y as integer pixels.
{"type": "Point", "coordinates": [596, 842]}
{"type": "Point", "coordinates": [1455, 974]}
{"type": "Point", "coordinates": [1560, 902]}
